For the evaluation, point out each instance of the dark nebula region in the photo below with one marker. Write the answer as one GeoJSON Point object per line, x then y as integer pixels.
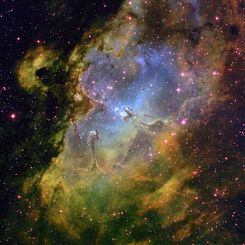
{"type": "Point", "coordinates": [122, 122]}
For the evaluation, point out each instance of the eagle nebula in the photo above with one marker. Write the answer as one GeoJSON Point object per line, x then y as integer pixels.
{"type": "Point", "coordinates": [136, 136]}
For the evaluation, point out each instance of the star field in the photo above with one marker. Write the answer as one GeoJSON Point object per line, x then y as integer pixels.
{"type": "Point", "coordinates": [122, 122]}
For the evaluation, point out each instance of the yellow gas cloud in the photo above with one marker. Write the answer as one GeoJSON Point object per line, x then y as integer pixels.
{"type": "Point", "coordinates": [34, 60]}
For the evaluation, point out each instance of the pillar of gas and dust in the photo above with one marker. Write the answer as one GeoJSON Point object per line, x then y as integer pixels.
{"type": "Point", "coordinates": [92, 140]}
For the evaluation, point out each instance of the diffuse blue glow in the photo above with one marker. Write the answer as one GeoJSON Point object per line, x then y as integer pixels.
{"type": "Point", "coordinates": [150, 93]}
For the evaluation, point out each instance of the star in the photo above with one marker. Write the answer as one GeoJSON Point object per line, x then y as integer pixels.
{"type": "Point", "coordinates": [13, 116]}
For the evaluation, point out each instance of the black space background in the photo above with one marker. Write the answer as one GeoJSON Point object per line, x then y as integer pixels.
{"type": "Point", "coordinates": [60, 23]}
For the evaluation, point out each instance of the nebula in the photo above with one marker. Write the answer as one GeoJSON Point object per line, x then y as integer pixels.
{"type": "Point", "coordinates": [148, 142]}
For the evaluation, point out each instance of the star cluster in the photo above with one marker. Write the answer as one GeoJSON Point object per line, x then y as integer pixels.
{"type": "Point", "coordinates": [123, 122]}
